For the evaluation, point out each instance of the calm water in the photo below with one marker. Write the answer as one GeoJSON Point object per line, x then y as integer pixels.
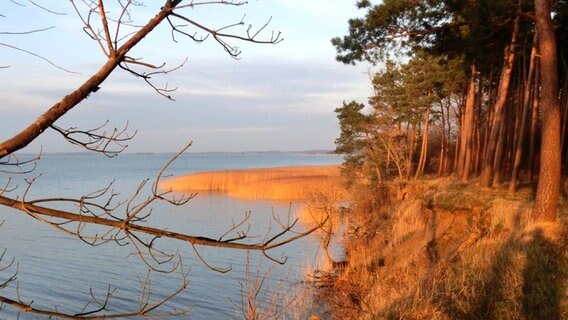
{"type": "Point", "coordinates": [55, 269]}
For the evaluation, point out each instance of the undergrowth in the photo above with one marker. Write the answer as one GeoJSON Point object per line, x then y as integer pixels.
{"type": "Point", "coordinates": [442, 249]}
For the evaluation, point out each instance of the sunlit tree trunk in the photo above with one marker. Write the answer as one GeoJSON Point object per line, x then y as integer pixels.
{"type": "Point", "coordinates": [548, 190]}
{"type": "Point", "coordinates": [424, 148]}
{"type": "Point", "coordinates": [564, 110]}
{"type": "Point", "coordinates": [521, 132]}
{"type": "Point", "coordinates": [505, 80]}
{"type": "Point", "coordinates": [500, 150]}
{"type": "Point", "coordinates": [411, 132]}
{"type": "Point", "coordinates": [467, 147]}
{"type": "Point", "coordinates": [478, 130]}
{"type": "Point", "coordinates": [375, 157]}
{"type": "Point", "coordinates": [448, 165]}
{"type": "Point", "coordinates": [443, 144]}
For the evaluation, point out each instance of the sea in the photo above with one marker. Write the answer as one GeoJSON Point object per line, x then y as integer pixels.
{"type": "Point", "coordinates": [55, 270]}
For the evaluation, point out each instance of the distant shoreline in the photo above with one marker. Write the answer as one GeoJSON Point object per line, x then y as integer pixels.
{"type": "Point", "coordinates": [85, 153]}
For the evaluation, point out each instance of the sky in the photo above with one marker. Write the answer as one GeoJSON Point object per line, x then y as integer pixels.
{"type": "Point", "coordinates": [274, 97]}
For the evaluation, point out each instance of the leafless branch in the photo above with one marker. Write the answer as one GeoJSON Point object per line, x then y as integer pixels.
{"type": "Point", "coordinates": [100, 217]}
{"type": "Point", "coordinates": [145, 309]}
{"type": "Point", "coordinates": [21, 166]}
{"type": "Point", "coordinates": [16, 33]}
{"type": "Point", "coordinates": [193, 4]}
{"type": "Point", "coordinates": [120, 57]}
{"type": "Point", "coordinates": [35, 4]}
{"type": "Point", "coordinates": [147, 76]}
{"type": "Point", "coordinates": [255, 305]}
{"type": "Point", "coordinates": [47, 9]}
{"type": "Point", "coordinates": [17, 3]}
{"type": "Point", "coordinates": [37, 56]}
{"type": "Point", "coordinates": [214, 268]}
{"type": "Point", "coordinates": [124, 13]}
{"type": "Point", "coordinates": [104, 215]}
{"type": "Point", "coordinates": [240, 234]}
{"type": "Point", "coordinates": [110, 47]}
{"type": "Point", "coordinates": [182, 200]}
{"type": "Point", "coordinates": [219, 35]}
{"type": "Point", "coordinates": [87, 27]}
{"type": "Point", "coordinates": [109, 143]}
{"type": "Point", "coordinates": [177, 29]}
{"type": "Point", "coordinates": [5, 267]}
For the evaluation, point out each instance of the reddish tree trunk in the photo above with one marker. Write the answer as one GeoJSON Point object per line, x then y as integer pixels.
{"type": "Point", "coordinates": [424, 148]}
{"type": "Point", "coordinates": [522, 129]}
{"type": "Point", "coordinates": [505, 80]}
{"type": "Point", "coordinates": [468, 125]}
{"type": "Point", "coordinates": [534, 120]}
{"type": "Point", "coordinates": [548, 190]}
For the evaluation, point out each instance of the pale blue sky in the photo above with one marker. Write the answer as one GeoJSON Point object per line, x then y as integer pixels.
{"type": "Point", "coordinates": [276, 97]}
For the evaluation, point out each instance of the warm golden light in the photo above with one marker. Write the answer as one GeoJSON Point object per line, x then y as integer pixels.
{"type": "Point", "coordinates": [281, 183]}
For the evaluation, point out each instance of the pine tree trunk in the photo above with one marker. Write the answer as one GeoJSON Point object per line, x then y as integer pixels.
{"type": "Point", "coordinates": [468, 125]}
{"type": "Point", "coordinates": [548, 190]}
{"type": "Point", "coordinates": [460, 142]}
{"type": "Point", "coordinates": [411, 132]}
{"type": "Point", "coordinates": [504, 82]}
{"type": "Point", "coordinates": [441, 164]}
{"type": "Point", "coordinates": [424, 148]}
{"type": "Point", "coordinates": [375, 157]}
{"type": "Point", "coordinates": [522, 128]}
{"type": "Point", "coordinates": [499, 150]}
{"type": "Point", "coordinates": [534, 121]}
{"type": "Point", "coordinates": [447, 165]}
{"type": "Point", "coordinates": [564, 111]}
{"type": "Point", "coordinates": [479, 146]}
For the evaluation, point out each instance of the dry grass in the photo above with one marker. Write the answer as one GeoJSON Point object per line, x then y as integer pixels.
{"type": "Point", "coordinates": [282, 183]}
{"type": "Point", "coordinates": [451, 251]}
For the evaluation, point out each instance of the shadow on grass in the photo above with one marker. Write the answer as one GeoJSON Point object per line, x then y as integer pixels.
{"type": "Point", "coordinates": [544, 279]}
{"type": "Point", "coordinates": [534, 290]}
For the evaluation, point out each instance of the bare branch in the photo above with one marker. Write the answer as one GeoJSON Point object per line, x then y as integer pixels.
{"type": "Point", "coordinates": [220, 270]}
{"type": "Point", "coordinates": [88, 216]}
{"type": "Point", "coordinates": [220, 36]}
{"type": "Point", "coordinates": [26, 32]}
{"type": "Point", "coordinates": [147, 76]}
{"type": "Point", "coordinates": [98, 139]}
{"type": "Point", "coordinates": [221, 2]}
{"type": "Point", "coordinates": [47, 9]}
{"type": "Point", "coordinates": [104, 21]}
{"type": "Point", "coordinates": [11, 278]}
{"type": "Point", "coordinates": [240, 234]}
{"type": "Point", "coordinates": [87, 28]}
{"type": "Point", "coordinates": [144, 311]}
{"type": "Point", "coordinates": [17, 3]}
{"type": "Point", "coordinates": [37, 56]}
{"type": "Point", "coordinates": [22, 166]}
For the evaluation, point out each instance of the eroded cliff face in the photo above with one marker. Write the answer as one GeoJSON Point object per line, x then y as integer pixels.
{"type": "Point", "coordinates": [448, 250]}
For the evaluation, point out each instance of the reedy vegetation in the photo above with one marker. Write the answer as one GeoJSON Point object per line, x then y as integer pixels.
{"type": "Point", "coordinates": [281, 183]}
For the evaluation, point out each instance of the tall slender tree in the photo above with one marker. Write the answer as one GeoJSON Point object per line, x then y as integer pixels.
{"type": "Point", "coordinates": [548, 190]}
